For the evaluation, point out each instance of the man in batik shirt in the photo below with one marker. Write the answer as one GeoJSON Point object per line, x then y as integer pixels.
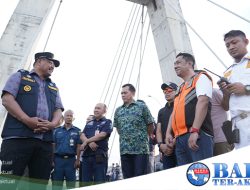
{"type": "Point", "coordinates": [134, 124]}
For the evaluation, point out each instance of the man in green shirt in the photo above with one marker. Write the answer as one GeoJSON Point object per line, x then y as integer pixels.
{"type": "Point", "coordinates": [134, 124]}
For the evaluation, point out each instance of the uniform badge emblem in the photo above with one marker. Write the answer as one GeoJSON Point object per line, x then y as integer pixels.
{"type": "Point", "coordinates": [27, 88]}
{"type": "Point", "coordinates": [28, 76]}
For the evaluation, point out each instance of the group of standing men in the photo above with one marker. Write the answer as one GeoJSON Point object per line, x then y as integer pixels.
{"type": "Point", "coordinates": [184, 129]}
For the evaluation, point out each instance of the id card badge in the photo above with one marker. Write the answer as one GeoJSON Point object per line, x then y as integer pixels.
{"type": "Point", "coordinates": [71, 142]}
{"type": "Point", "coordinates": [97, 132]}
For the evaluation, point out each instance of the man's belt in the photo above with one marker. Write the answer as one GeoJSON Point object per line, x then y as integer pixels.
{"type": "Point", "coordinates": [65, 156]}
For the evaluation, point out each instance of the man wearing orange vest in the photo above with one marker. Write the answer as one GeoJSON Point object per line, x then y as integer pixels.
{"type": "Point", "coordinates": [190, 121]}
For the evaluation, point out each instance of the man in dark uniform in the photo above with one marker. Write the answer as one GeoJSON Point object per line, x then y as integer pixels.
{"type": "Point", "coordinates": [169, 89]}
{"type": "Point", "coordinates": [66, 152]}
{"type": "Point", "coordinates": [34, 108]}
{"type": "Point", "coordinates": [95, 138]}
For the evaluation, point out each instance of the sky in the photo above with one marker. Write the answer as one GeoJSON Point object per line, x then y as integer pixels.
{"type": "Point", "coordinates": [86, 35]}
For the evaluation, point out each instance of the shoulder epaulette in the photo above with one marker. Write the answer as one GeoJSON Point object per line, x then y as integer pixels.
{"type": "Point", "coordinates": [23, 71]}
{"type": "Point", "coordinates": [25, 75]}
{"type": "Point", "coordinates": [229, 67]}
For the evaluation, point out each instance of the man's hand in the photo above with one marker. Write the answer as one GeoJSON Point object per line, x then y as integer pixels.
{"type": "Point", "coordinates": [44, 126]}
{"type": "Point", "coordinates": [223, 87]}
{"type": "Point", "coordinates": [169, 139]}
{"type": "Point", "coordinates": [237, 88]}
{"type": "Point", "coordinates": [192, 141]}
{"type": "Point", "coordinates": [84, 145]}
{"type": "Point", "coordinates": [31, 122]}
{"type": "Point", "coordinates": [168, 150]}
{"type": "Point", "coordinates": [93, 146]}
{"type": "Point", "coordinates": [77, 164]}
{"type": "Point", "coordinates": [170, 142]}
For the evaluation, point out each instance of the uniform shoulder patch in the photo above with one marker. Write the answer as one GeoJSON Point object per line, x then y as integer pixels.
{"type": "Point", "coordinates": [248, 64]}
{"type": "Point", "coordinates": [23, 71]}
{"type": "Point", "coordinates": [227, 73]}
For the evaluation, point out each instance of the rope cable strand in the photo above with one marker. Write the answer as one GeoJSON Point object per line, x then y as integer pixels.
{"type": "Point", "coordinates": [111, 147]}
{"type": "Point", "coordinates": [116, 65]}
{"type": "Point", "coordinates": [52, 26]}
{"type": "Point", "coordinates": [145, 43]}
{"type": "Point", "coordinates": [117, 51]}
{"type": "Point", "coordinates": [203, 41]}
{"type": "Point", "coordinates": [233, 13]}
{"type": "Point", "coordinates": [123, 76]}
{"type": "Point", "coordinates": [139, 74]}
{"type": "Point", "coordinates": [123, 58]}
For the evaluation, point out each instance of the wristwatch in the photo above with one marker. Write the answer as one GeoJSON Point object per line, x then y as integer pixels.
{"type": "Point", "coordinates": [247, 89]}
{"type": "Point", "coordinates": [194, 130]}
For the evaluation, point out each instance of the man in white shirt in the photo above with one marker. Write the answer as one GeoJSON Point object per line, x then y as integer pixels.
{"type": "Point", "coordinates": [236, 95]}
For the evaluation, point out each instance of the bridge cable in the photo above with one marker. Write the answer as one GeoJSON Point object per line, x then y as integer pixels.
{"type": "Point", "coordinates": [52, 26]}
{"type": "Point", "coordinates": [115, 132]}
{"type": "Point", "coordinates": [113, 63]}
{"type": "Point", "coordinates": [111, 147]}
{"type": "Point", "coordinates": [233, 13]}
{"type": "Point", "coordinates": [124, 55]}
{"type": "Point", "coordinates": [203, 41]}
{"type": "Point", "coordinates": [139, 74]}
{"type": "Point", "coordinates": [141, 61]}
{"type": "Point", "coordinates": [119, 56]}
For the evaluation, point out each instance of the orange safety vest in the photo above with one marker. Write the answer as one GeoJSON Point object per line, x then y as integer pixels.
{"type": "Point", "coordinates": [185, 106]}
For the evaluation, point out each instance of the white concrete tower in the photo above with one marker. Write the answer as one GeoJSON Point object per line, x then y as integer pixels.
{"type": "Point", "coordinates": [19, 38]}
{"type": "Point", "coordinates": [170, 34]}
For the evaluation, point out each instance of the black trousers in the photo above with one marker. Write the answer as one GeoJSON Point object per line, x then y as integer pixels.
{"type": "Point", "coordinates": [134, 165]}
{"type": "Point", "coordinates": [17, 154]}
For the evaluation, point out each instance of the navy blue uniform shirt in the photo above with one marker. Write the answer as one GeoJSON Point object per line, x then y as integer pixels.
{"type": "Point", "coordinates": [66, 140]}
{"type": "Point", "coordinates": [102, 125]}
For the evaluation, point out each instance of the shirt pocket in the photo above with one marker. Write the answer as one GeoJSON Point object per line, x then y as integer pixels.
{"type": "Point", "coordinates": [60, 137]}
{"type": "Point", "coordinates": [75, 137]}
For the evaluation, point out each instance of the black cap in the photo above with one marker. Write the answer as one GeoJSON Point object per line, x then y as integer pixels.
{"type": "Point", "coordinates": [169, 85]}
{"type": "Point", "coordinates": [47, 55]}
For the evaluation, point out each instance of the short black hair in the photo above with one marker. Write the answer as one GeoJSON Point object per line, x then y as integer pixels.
{"type": "Point", "coordinates": [234, 33]}
{"type": "Point", "coordinates": [187, 57]}
{"type": "Point", "coordinates": [130, 87]}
